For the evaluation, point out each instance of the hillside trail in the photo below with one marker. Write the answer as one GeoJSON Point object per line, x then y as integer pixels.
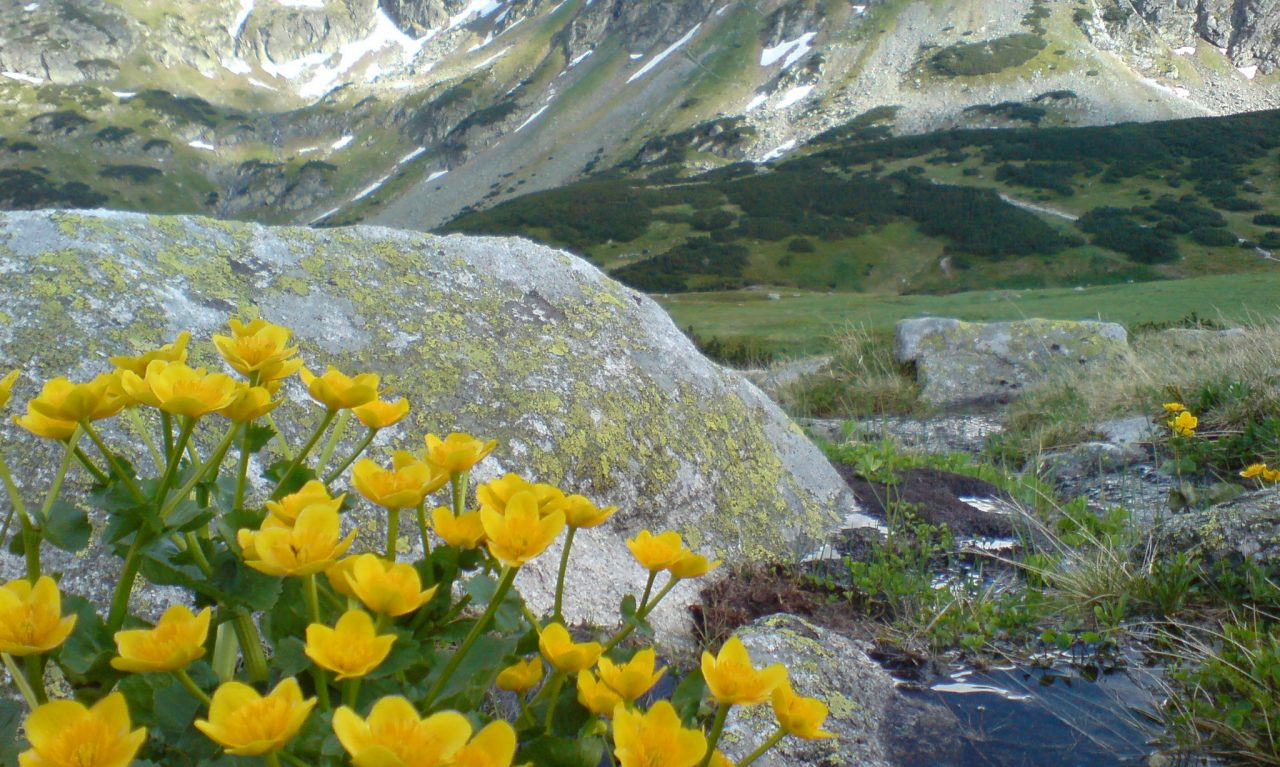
{"type": "Point", "coordinates": [1034, 208]}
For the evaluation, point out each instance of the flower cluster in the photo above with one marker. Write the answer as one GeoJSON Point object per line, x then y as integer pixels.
{"type": "Point", "coordinates": [1183, 422]}
{"type": "Point", "coordinates": [386, 659]}
{"type": "Point", "coordinates": [1262, 472]}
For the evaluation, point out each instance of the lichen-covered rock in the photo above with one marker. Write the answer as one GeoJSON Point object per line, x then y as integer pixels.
{"type": "Point", "coordinates": [964, 363]}
{"type": "Point", "coordinates": [1247, 528]}
{"type": "Point", "coordinates": [824, 665]}
{"type": "Point", "coordinates": [584, 383]}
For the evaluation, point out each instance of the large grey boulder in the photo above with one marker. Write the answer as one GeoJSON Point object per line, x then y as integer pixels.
{"type": "Point", "coordinates": [965, 363]}
{"type": "Point", "coordinates": [584, 383]}
{"type": "Point", "coordinates": [1244, 529]}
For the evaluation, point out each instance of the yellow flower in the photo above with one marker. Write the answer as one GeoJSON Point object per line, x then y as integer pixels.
{"type": "Point", "coordinates": [259, 347]}
{"type": "Point", "coordinates": [732, 679]}
{"type": "Point", "coordinates": [566, 655]}
{"type": "Point", "coordinates": [580, 512]}
{"type": "Point", "coordinates": [49, 428]}
{"type": "Point", "coordinates": [1271, 475]}
{"type": "Point", "coordinates": [493, 746]}
{"type": "Point", "coordinates": [181, 390]}
{"type": "Point", "coordinates": [379, 414]}
{"type": "Point", "coordinates": [798, 715]}
{"type": "Point", "coordinates": [1254, 470]}
{"type": "Point", "coordinates": [171, 352]}
{"type": "Point", "coordinates": [352, 648]}
{"type": "Point", "coordinates": [313, 493]}
{"type": "Point", "coordinates": [177, 639]}
{"type": "Point", "coordinates": [337, 391]}
{"type": "Point", "coordinates": [463, 532]}
{"type": "Point", "coordinates": [595, 696]}
{"type": "Point", "coordinates": [457, 451]}
{"type": "Point", "coordinates": [718, 759]}
{"type": "Point", "coordinates": [1184, 425]}
{"type": "Point", "coordinates": [521, 676]}
{"type": "Point", "coordinates": [248, 724]}
{"type": "Point", "coordinates": [6, 387]}
{"type": "Point", "coordinates": [66, 734]}
{"type": "Point", "coordinates": [496, 493]}
{"type": "Point", "coordinates": [31, 617]}
{"type": "Point", "coordinates": [310, 546]}
{"type": "Point", "coordinates": [1174, 407]}
{"type": "Point", "coordinates": [691, 565]}
{"type": "Point", "coordinates": [404, 485]}
{"type": "Point", "coordinates": [61, 400]}
{"type": "Point", "coordinates": [655, 738]}
{"type": "Point", "coordinates": [519, 534]}
{"type": "Point", "coordinates": [394, 735]}
{"type": "Point", "coordinates": [250, 403]}
{"type": "Point", "coordinates": [337, 574]}
{"type": "Point", "coordinates": [656, 552]}
{"type": "Point", "coordinates": [389, 588]}
{"type": "Point", "coordinates": [633, 678]}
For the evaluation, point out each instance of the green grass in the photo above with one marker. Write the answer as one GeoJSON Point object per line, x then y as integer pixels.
{"type": "Point", "coordinates": [802, 322]}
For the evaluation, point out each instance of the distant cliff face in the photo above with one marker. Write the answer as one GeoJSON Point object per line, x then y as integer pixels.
{"type": "Point", "coordinates": [1248, 30]}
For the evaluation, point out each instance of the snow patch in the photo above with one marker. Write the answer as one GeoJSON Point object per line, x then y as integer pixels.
{"type": "Point", "coordinates": [385, 33]}
{"type": "Point", "coordinates": [324, 215]}
{"type": "Point", "coordinates": [532, 117]}
{"type": "Point", "coordinates": [370, 189]}
{"type": "Point", "coordinates": [308, 150]}
{"type": "Point", "coordinates": [580, 58]}
{"type": "Point", "coordinates": [259, 84]}
{"type": "Point", "coordinates": [634, 56]}
{"type": "Point", "coordinates": [794, 95]}
{"type": "Point", "coordinates": [202, 145]}
{"type": "Point", "coordinates": [411, 155]}
{"type": "Point", "coordinates": [859, 9]}
{"type": "Point", "coordinates": [436, 175]}
{"type": "Point", "coordinates": [477, 9]}
{"type": "Point", "coordinates": [1186, 50]}
{"type": "Point", "coordinates": [302, 3]}
{"type": "Point", "coordinates": [237, 66]}
{"type": "Point", "coordinates": [342, 142]}
{"type": "Point", "coordinates": [656, 60]}
{"type": "Point", "coordinates": [246, 8]}
{"type": "Point", "coordinates": [29, 7]}
{"type": "Point", "coordinates": [24, 77]}
{"type": "Point", "coordinates": [791, 50]}
{"type": "Point", "coordinates": [720, 11]}
{"type": "Point", "coordinates": [1249, 72]}
{"type": "Point", "coordinates": [756, 102]}
{"type": "Point", "coordinates": [778, 151]}
{"type": "Point", "coordinates": [492, 59]}
{"type": "Point", "coordinates": [124, 94]}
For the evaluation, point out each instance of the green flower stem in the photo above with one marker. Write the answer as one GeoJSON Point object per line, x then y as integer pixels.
{"type": "Point", "coordinates": [350, 459]}
{"type": "Point", "coordinates": [555, 683]}
{"type": "Point", "coordinates": [284, 443]}
{"type": "Point", "coordinates": [166, 426]}
{"type": "Point", "coordinates": [641, 613]}
{"type": "Point", "coordinates": [525, 713]}
{"type": "Point", "coordinates": [426, 541]}
{"type": "Point", "coordinates": [648, 589]}
{"type": "Point", "coordinates": [329, 415]}
{"type": "Point", "coordinates": [225, 649]}
{"type": "Point", "coordinates": [197, 554]}
{"type": "Point", "coordinates": [393, 532]}
{"type": "Point", "coordinates": [185, 679]}
{"type": "Point", "coordinates": [455, 660]}
{"type": "Point", "coordinates": [175, 459]}
{"type": "Point", "coordinates": [124, 586]}
{"type": "Point", "coordinates": [145, 435]}
{"type": "Point", "coordinates": [291, 759]}
{"type": "Point", "coordinates": [717, 727]}
{"type": "Point", "coordinates": [56, 488]}
{"type": "Point", "coordinates": [111, 461]}
{"type": "Point", "coordinates": [34, 664]}
{"type": "Point", "coordinates": [272, 759]}
{"type": "Point", "coordinates": [339, 429]}
{"type": "Point", "coordinates": [458, 486]}
{"type": "Point", "coordinates": [351, 692]}
{"type": "Point", "coordinates": [30, 536]}
{"type": "Point", "coordinates": [215, 460]}
{"type": "Point", "coordinates": [99, 475]}
{"type": "Point", "coordinates": [765, 746]}
{"type": "Point", "coordinates": [20, 679]}
{"type": "Point", "coordinates": [313, 597]}
{"type": "Point", "coordinates": [556, 614]}
{"type": "Point", "coordinates": [255, 662]}
{"type": "Point", "coordinates": [242, 471]}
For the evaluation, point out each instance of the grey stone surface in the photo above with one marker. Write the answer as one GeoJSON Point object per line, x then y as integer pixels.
{"type": "Point", "coordinates": [584, 383]}
{"type": "Point", "coordinates": [962, 363]}
{"type": "Point", "coordinates": [824, 665]}
{"type": "Point", "coordinates": [775, 378]}
{"type": "Point", "coordinates": [1127, 432]}
{"type": "Point", "coordinates": [1247, 528]}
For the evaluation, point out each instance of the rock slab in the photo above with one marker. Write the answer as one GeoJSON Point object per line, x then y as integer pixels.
{"type": "Point", "coordinates": [584, 383]}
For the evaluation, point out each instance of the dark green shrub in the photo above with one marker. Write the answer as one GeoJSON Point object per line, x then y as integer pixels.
{"type": "Point", "coordinates": [1213, 237]}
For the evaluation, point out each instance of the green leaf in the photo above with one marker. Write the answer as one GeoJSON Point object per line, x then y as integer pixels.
{"type": "Point", "coordinates": [67, 527]}
{"type": "Point", "coordinates": [187, 516]}
{"type": "Point", "coordinates": [687, 697]}
{"type": "Point", "coordinates": [290, 658]}
{"type": "Point", "coordinates": [246, 586]}
{"type": "Point", "coordinates": [629, 617]}
{"type": "Point", "coordinates": [90, 648]}
{"type": "Point", "coordinates": [563, 752]}
{"type": "Point", "coordinates": [176, 708]}
{"type": "Point", "coordinates": [404, 654]}
{"type": "Point", "coordinates": [10, 718]}
{"type": "Point", "coordinates": [258, 436]}
{"type": "Point", "coordinates": [475, 675]}
{"type": "Point", "coordinates": [300, 476]}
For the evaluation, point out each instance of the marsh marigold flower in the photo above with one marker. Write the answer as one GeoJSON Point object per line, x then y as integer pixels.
{"type": "Point", "coordinates": [170, 352]}
{"type": "Point", "coordinates": [1184, 424]}
{"type": "Point", "coordinates": [462, 532]}
{"type": "Point", "coordinates": [596, 696]}
{"type": "Point", "coordinates": [6, 387]}
{"type": "Point", "coordinates": [389, 588]}
{"type": "Point", "coordinates": [1174, 407]}
{"type": "Point", "coordinates": [496, 493]}
{"type": "Point", "coordinates": [65, 733]}
{"type": "Point", "coordinates": [457, 451]}
{"type": "Point", "coordinates": [337, 574]}
{"type": "Point", "coordinates": [691, 565]}
{"type": "Point", "coordinates": [314, 493]}
{"type": "Point", "coordinates": [380, 414]}
{"type": "Point", "coordinates": [633, 678]}
{"type": "Point", "coordinates": [520, 676]}
{"type": "Point", "coordinates": [798, 715]}
{"type": "Point", "coordinates": [180, 390]}
{"type": "Point", "coordinates": [42, 426]}
{"type": "Point", "coordinates": [395, 736]}
{"type": "Point", "coordinates": [250, 403]}
{"type": "Point", "coordinates": [655, 738]}
{"type": "Point", "coordinates": [31, 617]}
{"type": "Point", "coordinates": [337, 391]}
{"type": "Point", "coordinates": [404, 485]}
{"type": "Point", "coordinates": [61, 400]}
{"type": "Point", "coordinates": [177, 639]}
{"type": "Point", "coordinates": [350, 649]}
{"type": "Point", "coordinates": [520, 533]}
{"type": "Point", "coordinates": [311, 545]}
{"type": "Point", "coordinates": [493, 746]}
{"type": "Point", "coordinates": [656, 552]}
{"type": "Point", "coordinates": [580, 512]}
{"type": "Point", "coordinates": [566, 655]}
{"type": "Point", "coordinates": [248, 724]}
{"type": "Point", "coordinates": [259, 347]}
{"type": "Point", "coordinates": [732, 679]}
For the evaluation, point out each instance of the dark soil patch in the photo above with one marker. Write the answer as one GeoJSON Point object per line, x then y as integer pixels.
{"type": "Point", "coordinates": [934, 497]}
